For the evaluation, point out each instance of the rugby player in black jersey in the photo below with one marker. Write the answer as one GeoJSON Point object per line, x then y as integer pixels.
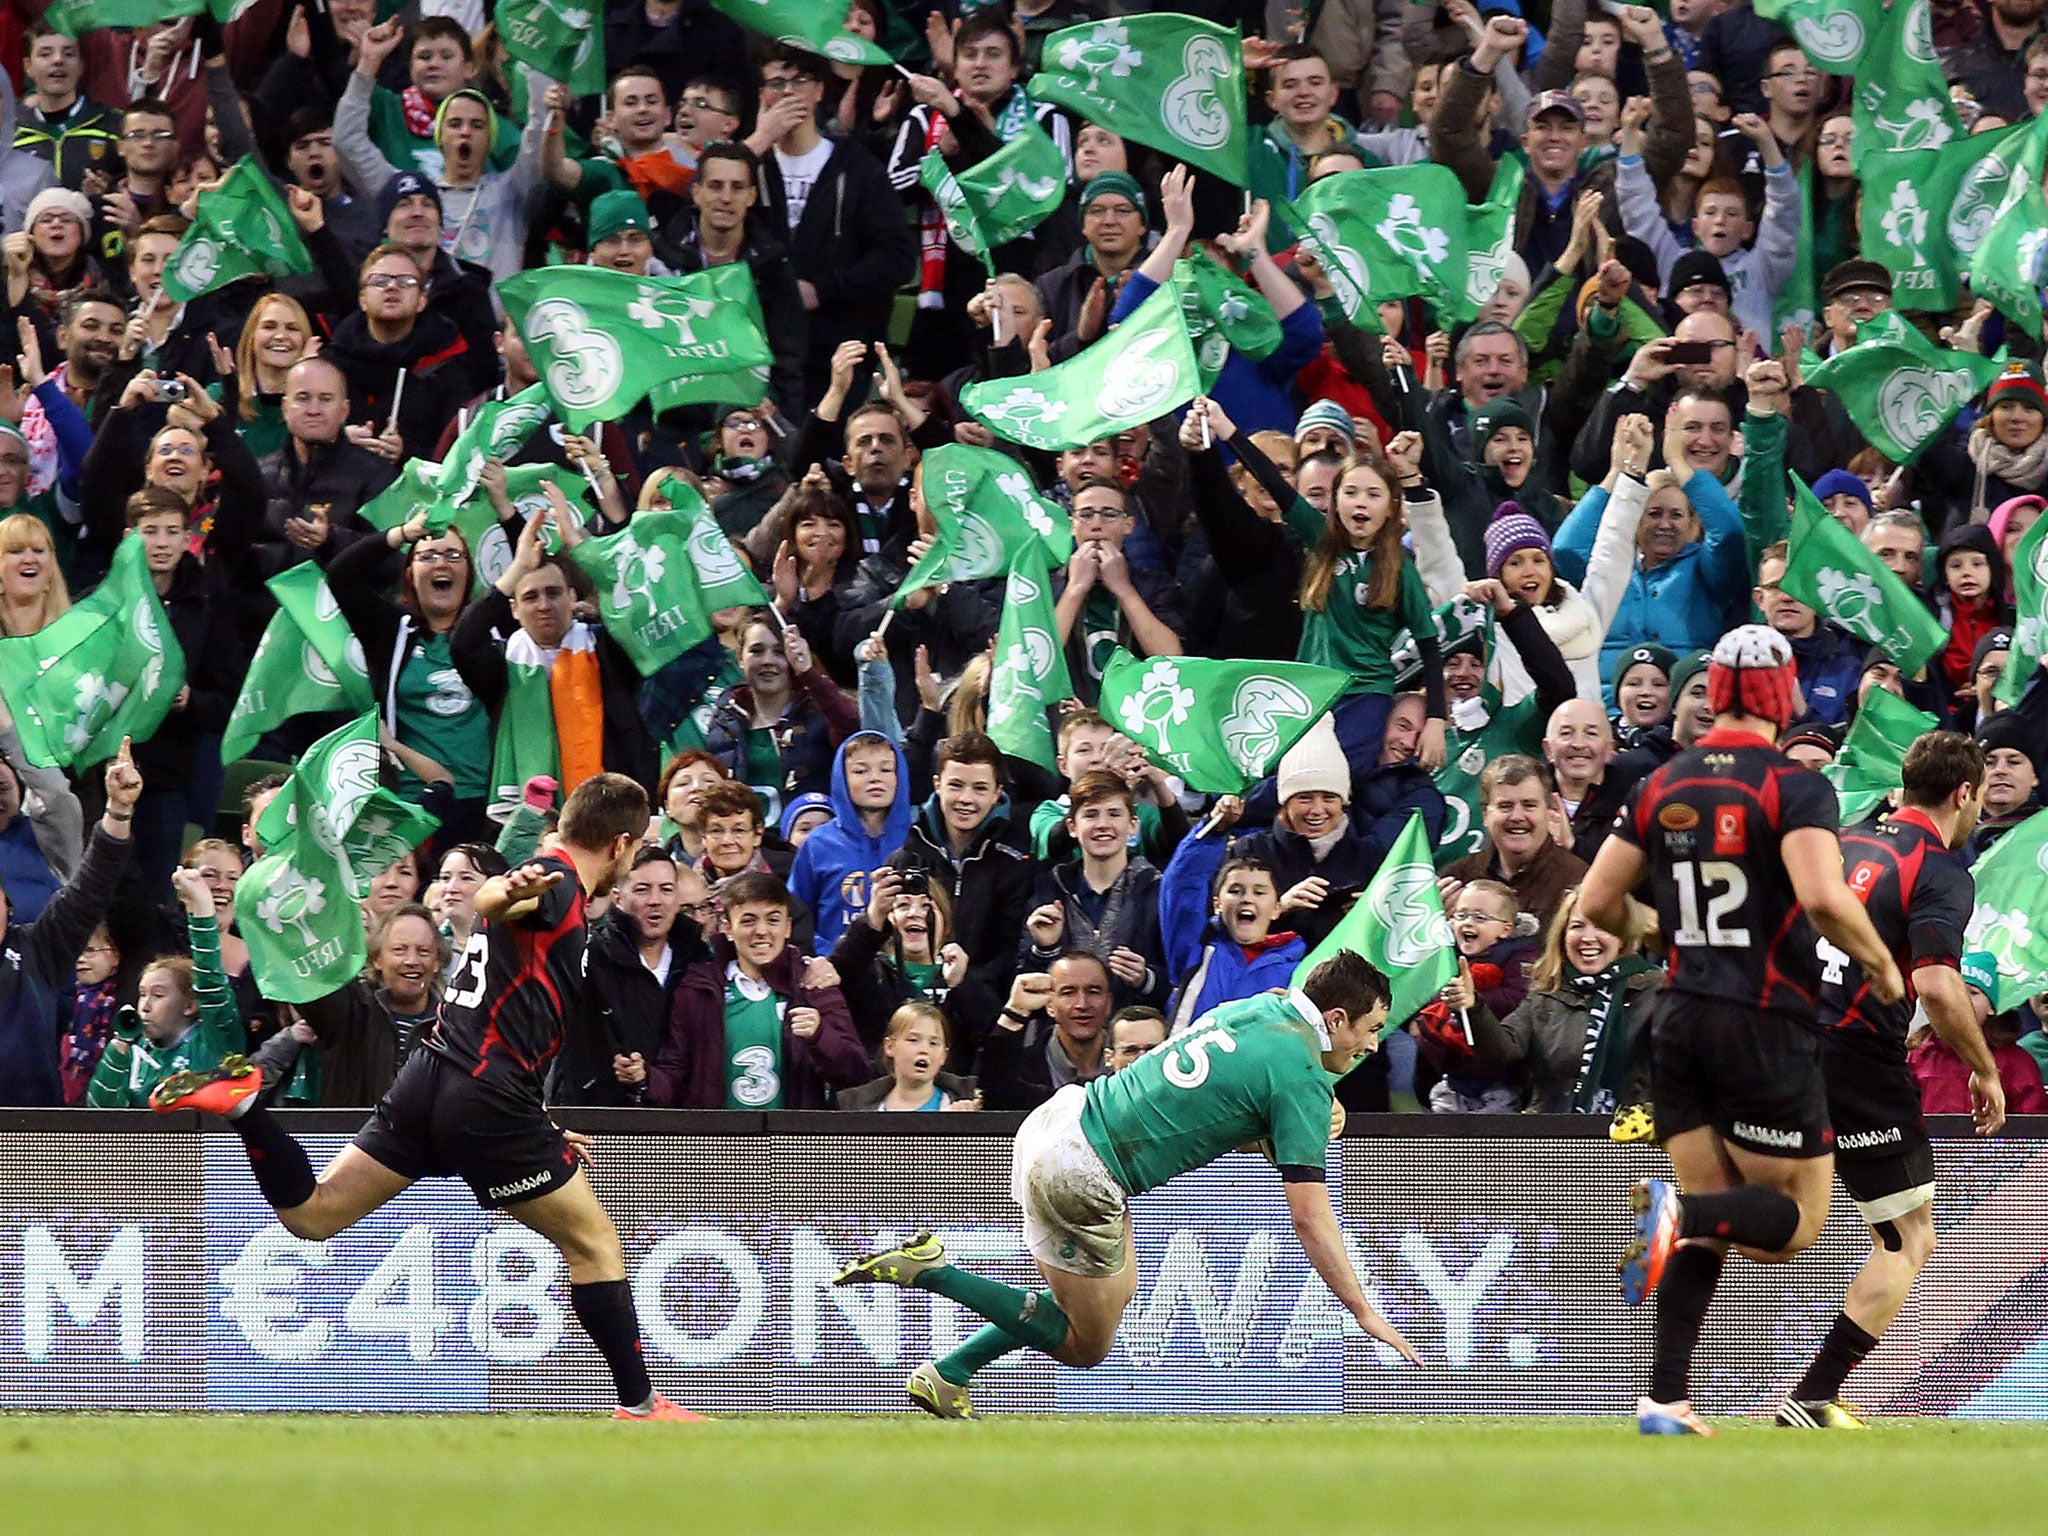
{"type": "Point", "coordinates": [467, 1103]}
{"type": "Point", "coordinates": [1739, 845]}
{"type": "Point", "coordinates": [1918, 895]}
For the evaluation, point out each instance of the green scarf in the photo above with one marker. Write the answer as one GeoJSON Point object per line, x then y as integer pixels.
{"type": "Point", "coordinates": [1603, 1067]}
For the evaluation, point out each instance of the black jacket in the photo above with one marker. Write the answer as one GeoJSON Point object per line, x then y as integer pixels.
{"type": "Point", "coordinates": [1012, 1069]}
{"type": "Point", "coordinates": [438, 377]}
{"type": "Point", "coordinates": [990, 890]}
{"type": "Point", "coordinates": [853, 244]}
{"type": "Point", "coordinates": [625, 1010]}
{"type": "Point", "coordinates": [1349, 865]}
{"type": "Point", "coordinates": [361, 1043]}
{"type": "Point", "coordinates": [113, 471]}
{"type": "Point", "coordinates": [338, 476]}
{"type": "Point", "coordinates": [477, 648]}
{"type": "Point", "coordinates": [696, 41]}
{"type": "Point", "coordinates": [954, 626]}
{"type": "Point", "coordinates": [36, 961]}
{"type": "Point", "coordinates": [203, 618]}
{"type": "Point", "coordinates": [875, 986]}
{"type": "Point", "coordinates": [1129, 920]}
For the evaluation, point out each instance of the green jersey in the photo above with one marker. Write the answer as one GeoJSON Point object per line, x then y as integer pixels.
{"type": "Point", "coordinates": [753, 1045]}
{"type": "Point", "coordinates": [440, 718]}
{"type": "Point", "coordinates": [124, 1079]}
{"type": "Point", "coordinates": [1358, 639]}
{"type": "Point", "coordinates": [1514, 729]}
{"type": "Point", "coordinates": [1248, 1071]}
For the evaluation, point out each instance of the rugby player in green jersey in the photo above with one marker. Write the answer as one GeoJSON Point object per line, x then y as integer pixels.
{"type": "Point", "coordinates": [1256, 1073]}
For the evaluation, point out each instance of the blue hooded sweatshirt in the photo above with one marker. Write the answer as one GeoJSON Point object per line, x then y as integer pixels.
{"type": "Point", "coordinates": [834, 854]}
{"type": "Point", "coordinates": [1207, 967]}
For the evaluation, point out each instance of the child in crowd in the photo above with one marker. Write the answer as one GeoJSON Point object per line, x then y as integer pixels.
{"type": "Point", "coordinates": [1218, 916]}
{"type": "Point", "coordinates": [184, 1020]}
{"type": "Point", "coordinates": [915, 1051]}
{"type": "Point", "coordinates": [1494, 955]}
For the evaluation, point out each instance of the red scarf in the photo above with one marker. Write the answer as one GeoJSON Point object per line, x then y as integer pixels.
{"type": "Point", "coordinates": [931, 233]}
{"type": "Point", "coordinates": [419, 112]}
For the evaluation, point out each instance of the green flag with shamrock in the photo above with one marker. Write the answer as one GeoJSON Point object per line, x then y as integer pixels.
{"type": "Point", "coordinates": [330, 831]}
{"type": "Point", "coordinates": [1142, 369]}
{"type": "Point", "coordinates": [989, 514]}
{"type": "Point", "coordinates": [1870, 765]}
{"type": "Point", "coordinates": [498, 430]}
{"type": "Point", "coordinates": [558, 39]}
{"type": "Point", "coordinates": [1901, 99]}
{"type": "Point", "coordinates": [1832, 573]}
{"type": "Point", "coordinates": [2030, 609]}
{"type": "Point", "coordinates": [602, 340]}
{"type": "Point", "coordinates": [647, 589]}
{"type": "Point", "coordinates": [1901, 230]}
{"type": "Point", "coordinates": [1398, 924]}
{"type": "Point", "coordinates": [818, 26]}
{"type": "Point", "coordinates": [1834, 33]}
{"type": "Point", "coordinates": [1167, 81]}
{"type": "Point", "coordinates": [731, 287]}
{"type": "Point", "coordinates": [1899, 388]}
{"type": "Point", "coordinates": [108, 667]}
{"type": "Point", "coordinates": [722, 576]}
{"type": "Point", "coordinates": [1224, 314]}
{"type": "Point", "coordinates": [1220, 725]}
{"type": "Point", "coordinates": [241, 228]}
{"type": "Point", "coordinates": [2006, 266]}
{"type": "Point", "coordinates": [1031, 674]}
{"type": "Point", "coordinates": [308, 661]}
{"type": "Point", "coordinates": [525, 746]}
{"type": "Point", "coordinates": [1390, 234]}
{"type": "Point", "coordinates": [2008, 921]}
{"type": "Point", "coordinates": [1002, 198]}
{"type": "Point", "coordinates": [1490, 233]}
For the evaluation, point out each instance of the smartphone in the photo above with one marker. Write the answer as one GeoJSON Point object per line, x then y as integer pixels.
{"type": "Point", "coordinates": [1681, 352]}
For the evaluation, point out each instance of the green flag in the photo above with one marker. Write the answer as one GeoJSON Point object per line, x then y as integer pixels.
{"type": "Point", "coordinates": [1798, 302]}
{"type": "Point", "coordinates": [329, 832]}
{"type": "Point", "coordinates": [525, 746]}
{"type": "Point", "coordinates": [75, 18]}
{"type": "Point", "coordinates": [1001, 198]}
{"type": "Point", "coordinates": [1224, 314]}
{"type": "Point", "coordinates": [109, 667]}
{"type": "Point", "coordinates": [1168, 81]}
{"type": "Point", "coordinates": [1032, 674]}
{"type": "Point", "coordinates": [2006, 266]}
{"type": "Point", "coordinates": [1137, 373]}
{"type": "Point", "coordinates": [413, 492]}
{"type": "Point", "coordinates": [1971, 177]}
{"type": "Point", "coordinates": [558, 39]}
{"type": "Point", "coordinates": [989, 515]}
{"type": "Point", "coordinates": [1490, 233]}
{"type": "Point", "coordinates": [498, 430]}
{"type": "Point", "coordinates": [601, 340]}
{"type": "Point", "coordinates": [1869, 766]}
{"type": "Point", "coordinates": [1398, 924]}
{"type": "Point", "coordinates": [2030, 607]}
{"type": "Point", "coordinates": [1834, 33]}
{"type": "Point", "coordinates": [1900, 230]}
{"type": "Point", "coordinates": [1220, 725]}
{"type": "Point", "coordinates": [816, 25]}
{"type": "Point", "coordinates": [647, 589]}
{"type": "Point", "coordinates": [242, 228]}
{"type": "Point", "coordinates": [1901, 99]}
{"type": "Point", "coordinates": [744, 383]}
{"type": "Point", "coordinates": [2007, 921]}
{"type": "Point", "coordinates": [722, 576]}
{"type": "Point", "coordinates": [1832, 573]}
{"type": "Point", "coordinates": [1900, 389]}
{"type": "Point", "coordinates": [308, 661]}
{"type": "Point", "coordinates": [1390, 234]}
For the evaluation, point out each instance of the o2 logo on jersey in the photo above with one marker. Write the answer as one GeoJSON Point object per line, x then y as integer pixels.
{"type": "Point", "coordinates": [1863, 880]}
{"type": "Point", "coordinates": [1731, 829]}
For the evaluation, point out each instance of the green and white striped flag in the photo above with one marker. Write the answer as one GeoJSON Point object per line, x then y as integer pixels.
{"type": "Point", "coordinates": [1398, 924]}
{"type": "Point", "coordinates": [308, 662]}
{"type": "Point", "coordinates": [1032, 673]}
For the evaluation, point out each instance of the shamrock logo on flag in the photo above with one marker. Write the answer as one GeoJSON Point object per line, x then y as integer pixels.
{"type": "Point", "coordinates": [639, 568]}
{"type": "Point", "coordinates": [1850, 601]}
{"type": "Point", "coordinates": [1105, 49]}
{"type": "Point", "coordinates": [1261, 710]}
{"type": "Point", "coordinates": [1159, 702]}
{"type": "Point", "coordinates": [292, 899]}
{"type": "Point", "coordinates": [1404, 230]}
{"type": "Point", "coordinates": [1905, 222]}
{"type": "Point", "coordinates": [1024, 406]}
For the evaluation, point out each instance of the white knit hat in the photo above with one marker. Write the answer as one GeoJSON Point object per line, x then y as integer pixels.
{"type": "Point", "coordinates": [1316, 761]}
{"type": "Point", "coordinates": [73, 203]}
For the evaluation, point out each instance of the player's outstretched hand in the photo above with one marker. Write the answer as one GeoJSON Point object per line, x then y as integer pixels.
{"type": "Point", "coordinates": [1379, 1328]}
{"type": "Point", "coordinates": [530, 881]}
{"type": "Point", "coordinates": [1987, 1102]}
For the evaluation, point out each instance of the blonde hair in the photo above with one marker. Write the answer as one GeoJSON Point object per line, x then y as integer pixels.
{"type": "Point", "coordinates": [25, 531]}
{"type": "Point", "coordinates": [919, 1013]}
{"type": "Point", "coordinates": [967, 707]}
{"type": "Point", "coordinates": [245, 349]}
{"type": "Point", "coordinates": [1548, 973]}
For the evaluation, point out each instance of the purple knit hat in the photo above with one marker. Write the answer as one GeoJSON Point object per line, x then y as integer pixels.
{"type": "Point", "coordinates": [1511, 530]}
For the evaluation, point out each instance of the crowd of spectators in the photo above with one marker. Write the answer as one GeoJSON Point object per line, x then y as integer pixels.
{"type": "Point", "coordinates": [851, 896]}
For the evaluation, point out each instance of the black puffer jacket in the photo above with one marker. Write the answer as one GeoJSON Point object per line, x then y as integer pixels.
{"type": "Point", "coordinates": [625, 1010]}
{"type": "Point", "coordinates": [337, 476]}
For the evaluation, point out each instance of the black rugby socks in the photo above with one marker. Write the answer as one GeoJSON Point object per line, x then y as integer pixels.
{"type": "Point", "coordinates": [283, 1173]}
{"type": "Point", "coordinates": [1690, 1276]}
{"type": "Point", "coordinates": [1843, 1349]}
{"type": "Point", "coordinates": [605, 1309]}
{"type": "Point", "coordinates": [1748, 1214]}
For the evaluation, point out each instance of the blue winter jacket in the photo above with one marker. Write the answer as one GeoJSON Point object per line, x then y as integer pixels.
{"type": "Point", "coordinates": [1687, 602]}
{"type": "Point", "coordinates": [1207, 968]}
{"type": "Point", "coordinates": [831, 869]}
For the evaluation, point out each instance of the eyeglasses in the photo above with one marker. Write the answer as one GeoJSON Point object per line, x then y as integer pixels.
{"type": "Point", "coordinates": [176, 451]}
{"type": "Point", "coordinates": [1836, 140]}
{"type": "Point", "coordinates": [741, 424]}
{"type": "Point", "coordinates": [98, 949]}
{"type": "Point", "coordinates": [779, 85]}
{"type": "Point", "coordinates": [150, 136]}
{"type": "Point", "coordinates": [706, 104]}
{"type": "Point", "coordinates": [397, 280]}
{"type": "Point", "coordinates": [438, 557]}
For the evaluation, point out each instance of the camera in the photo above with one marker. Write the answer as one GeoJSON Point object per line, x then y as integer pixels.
{"type": "Point", "coordinates": [170, 391]}
{"type": "Point", "coordinates": [915, 883]}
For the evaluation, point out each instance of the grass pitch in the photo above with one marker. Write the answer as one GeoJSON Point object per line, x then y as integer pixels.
{"type": "Point", "coordinates": [500, 1476]}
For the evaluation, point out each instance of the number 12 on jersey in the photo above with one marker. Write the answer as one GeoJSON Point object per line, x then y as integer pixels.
{"type": "Point", "coordinates": [1724, 887]}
